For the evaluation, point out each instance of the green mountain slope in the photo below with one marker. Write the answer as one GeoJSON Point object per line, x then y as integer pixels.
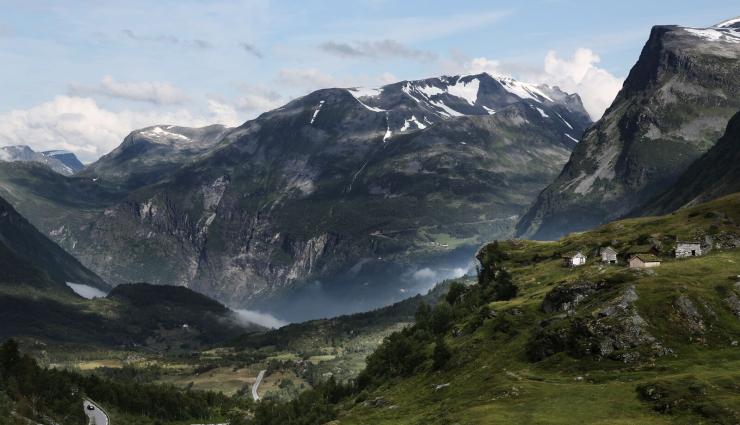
{"type": "Point", "coordinates": [715, 174]}
{"type": "Point", "coordinates": [593, 344]}
{"type": "Point", "coordinates": [25, 250]}
{"type": "Point", "coordinates": [674, 105]}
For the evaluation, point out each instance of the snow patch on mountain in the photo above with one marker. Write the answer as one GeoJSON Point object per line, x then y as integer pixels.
{"type": "Point", "coordinates": [316, 112]}
{"type": "Point", "coordinates": [727, 35]}
{"type": "Point", "coordinates": [465, 90]}
{"type": "Point", "coordinates": [446, 110]}
{"type": "Point", "coordinates": [365, 92]}
{"type": "Point", "coordinates": [388, 133]}
{"type": "Point", "coordinates": [359, 92]}
{"type": "Point", "coordinates": [523, 90]}
{"type": "Point", "coordinates": [407, 124]}
{"type": "Point", "coordinates": [157, 133]}
{"type": "Point", "coordinates": [730, 23]}
{"type": "Point", "coordinates": [430, 91]}
{"type": "Point", "coordinates": [489, 110]}
{"type": "Point", "coordinates": [544, 115]}
{"type": "Point", "coordinates": [566, 122]}
{"type": "Point", "coordinates": [408, 88]}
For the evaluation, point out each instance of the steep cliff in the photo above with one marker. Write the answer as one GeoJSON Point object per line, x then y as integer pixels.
{"type": "Point", "coordinates": [673, 107]}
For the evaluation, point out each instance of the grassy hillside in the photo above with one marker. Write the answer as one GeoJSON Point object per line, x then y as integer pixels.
{"type": "Point", "coordinates": [593, 344]}
{"type": "Point", "coordinates": [157, 318]}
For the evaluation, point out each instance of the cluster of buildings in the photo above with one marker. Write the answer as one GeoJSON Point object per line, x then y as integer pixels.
{"type": "Point", "coordinates": [640, 257]}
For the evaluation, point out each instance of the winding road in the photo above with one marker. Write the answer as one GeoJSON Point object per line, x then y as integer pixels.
{"type": "Point", "coordinates": [97, 416]}
{"type": "Point", "coordinates": [256, 385]}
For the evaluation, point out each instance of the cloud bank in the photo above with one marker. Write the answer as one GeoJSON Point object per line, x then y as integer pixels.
{"type": "Point", "coordinates": [375, 49]}
{"type": "Point", "coordinates": [263, 319]}
{"type": "Point", "coordinates": [158, 93]}
{"type": "Point", "coordinates": [577, 74]}
{"type": "Point", "coordinates": [80, 125]}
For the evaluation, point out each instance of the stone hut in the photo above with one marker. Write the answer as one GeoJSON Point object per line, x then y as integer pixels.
{"type": "Point", "coordinates": [608, 255]}
{"type": "Point", "coordinates": [688, 249]}
{"type": "Point", "coordinates": [574, 259]}
{"type": "Point", "coordinates": [644, 261]}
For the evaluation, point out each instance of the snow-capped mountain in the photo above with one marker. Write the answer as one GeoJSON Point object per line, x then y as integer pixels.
{"type": "Point", "coordinates": [63, 162]}
{"type": "Point", "coordinates": [415, 105]}
{"type": "Point", "coordinates": [148, 154]}
{"type": "Point", "coordinates": [352, 187]}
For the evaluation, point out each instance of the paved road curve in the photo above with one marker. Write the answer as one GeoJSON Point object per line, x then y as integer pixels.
{"type": "Point", "coordinates": [257, 382]}
{"type": "Point", "coordinates": [96, 416]}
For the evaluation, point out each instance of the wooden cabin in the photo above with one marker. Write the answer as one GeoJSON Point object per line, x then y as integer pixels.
{"type": "Point", "coordinates": [688, 249]}
{"type": "Point", "coordinates": [608, 255]}
{"type": "Point", "coordinates": [644, 261]}
{"type": "Point", "coordinates": [574, 259]}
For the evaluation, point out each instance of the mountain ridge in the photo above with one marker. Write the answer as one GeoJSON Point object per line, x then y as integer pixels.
{"type": "Point", "coordinates": [673, 106]}
{"type": "Point", "coordinates": [327, 188]}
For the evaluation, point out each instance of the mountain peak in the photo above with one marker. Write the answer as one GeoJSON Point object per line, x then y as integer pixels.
{"type": "Point", "coordinates": [63, 162]}
{"type": "Point", "coordinates": [416, 104]}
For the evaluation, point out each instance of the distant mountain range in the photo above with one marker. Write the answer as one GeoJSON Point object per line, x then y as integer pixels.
{"type": "Point", "coordinates": [63, 162]}
{"type": "Point", "coordinates": [675, 104]}
{"type": "Point", "coordinates": [353, 188]}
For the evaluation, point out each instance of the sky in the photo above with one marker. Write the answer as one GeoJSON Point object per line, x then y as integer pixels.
{"type": "Point", "coordinates": [80, 75]}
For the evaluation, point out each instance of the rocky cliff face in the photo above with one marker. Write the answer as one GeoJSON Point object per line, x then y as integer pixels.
{"type": "Point", "coordinates": [715, 174]}
{"type": "Point", "coordinates": [674, 105]}
{"type": "Point", "coordinates": [344, 189]}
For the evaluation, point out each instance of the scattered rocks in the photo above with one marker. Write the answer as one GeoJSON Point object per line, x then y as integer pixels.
{"type": "Point", "coordinates": [567, 296]}
{"type": "Point", "coordinates": [615, 331]}
{"type": "Point", "coordinates": [733, 302]}
{"type": "Point", "coordinates": [376, 402]}
{"type": "Point", "coordinates": [690, 315]}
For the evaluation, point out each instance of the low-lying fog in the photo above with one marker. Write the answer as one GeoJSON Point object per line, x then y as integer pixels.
{"type": "Point", "coordinates": [370, 284]}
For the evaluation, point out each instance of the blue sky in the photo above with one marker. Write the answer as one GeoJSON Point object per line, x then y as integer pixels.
{"type": "Point", "coordinates": [80, 75]}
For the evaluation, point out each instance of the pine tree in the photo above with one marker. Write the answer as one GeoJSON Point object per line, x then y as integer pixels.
{"type": "Point", "coordinates": [441, 354]}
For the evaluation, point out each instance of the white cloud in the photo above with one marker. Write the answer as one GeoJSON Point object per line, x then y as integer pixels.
{"type": "Point", "coordinates": [257, 98]}
{"type": "Point", "coordinates": [579, 74]}
{"type": "Point", "coordinates": [306, 78]}
{"type": "Point", "coordinates": [482, 64]}
{"type": "Point", "coordinates": [375, 49]}
{"type": "Point", "coordinates": [79, 125]}
{"type": "Point", "coordinates": [259, 318]}
{"type": "Point", "coordinates": [425, 274]}
{"type": "Point", "coordinates": [160, 93]}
